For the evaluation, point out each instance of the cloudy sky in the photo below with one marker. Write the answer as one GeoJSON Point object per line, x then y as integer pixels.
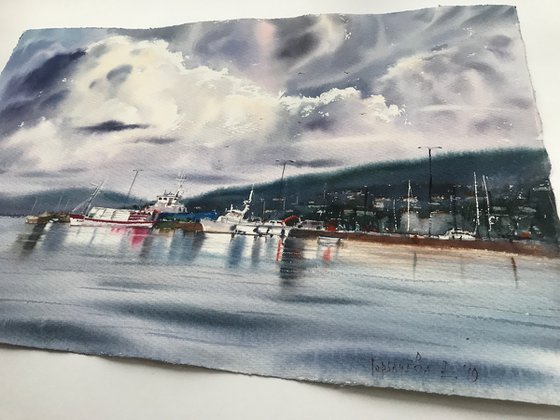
{"type": "Point", "coordinates": [222, 101]}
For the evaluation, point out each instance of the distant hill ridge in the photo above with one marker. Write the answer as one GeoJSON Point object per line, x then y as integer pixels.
{"type": "Point", "coordinates": [519, 167]}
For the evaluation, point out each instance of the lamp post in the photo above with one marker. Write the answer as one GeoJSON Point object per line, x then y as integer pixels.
{"type": "Point", "coordinates": [132, 184]}
{"type": "Point", "coordinates": [283, 162]}
{"type": "Point", "coordinates": [430, 148]}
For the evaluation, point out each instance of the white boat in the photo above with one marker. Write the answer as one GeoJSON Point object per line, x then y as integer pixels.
{"type": "Point", "coordinates": [311, 225]}
{"type": "Point", "coordinates": [105, 216]}
{"type": "Point", "coordinates": [170, 202]}
{"type": "Point", "coordinates": [458, 234]}
{"type": "Point", "coordinates": [227, 222]}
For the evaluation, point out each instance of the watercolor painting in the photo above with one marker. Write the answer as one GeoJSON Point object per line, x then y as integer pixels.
{"type": "Point", "coordinates": [347, 199]}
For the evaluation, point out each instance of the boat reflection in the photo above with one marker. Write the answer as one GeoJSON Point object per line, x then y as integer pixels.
{"type": "Point", "coordinates": [235, 251]}
{"type": "Point", "coordinates": [28, 239]}
{"type": "Point", "coordinates": [292, 263]}
{"type": "Point", "coordinates": [136, 235]}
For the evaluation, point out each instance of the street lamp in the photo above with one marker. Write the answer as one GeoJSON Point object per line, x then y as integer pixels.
{"type": "Point", "coordinates": [283, 162]}
{"type": "Point", "coordinates": [132, 184]}
{"type": "Point", "coordinates": [430, 148]}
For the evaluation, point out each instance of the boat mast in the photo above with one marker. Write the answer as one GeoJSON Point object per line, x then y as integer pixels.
{"type": "Point", "coordinates": [89, 201]}
{"type": "Point", "coordinates": [484, 179]}
{"type": "Point", "coordinates": [476, 204]}
{"type": "Point", "coordinates": [180, 179]}
{"type": "Point", "coordinates": [408, 207]}
{"type": "Point", "coordinates": [247, 203]}
{"type": "Point", "coordinates": [34, 205]}
{"type": "Point", "coordinates": [394, 216]}
{"type": "Point", "coordinates": [132, 184]}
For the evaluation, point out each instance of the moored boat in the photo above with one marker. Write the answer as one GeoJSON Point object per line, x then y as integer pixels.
{"type": "Point", "coordinates": [227, 222]}
{"type": "Point", "coordinates": [458, 234]}
{"type": "Point", "coordinates": [104, 216]}
{"type": "Point", "coordinates": [169, 207]}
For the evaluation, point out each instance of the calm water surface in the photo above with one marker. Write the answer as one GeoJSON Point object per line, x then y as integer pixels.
{"type": "Point", "coordinates": [453, 321]}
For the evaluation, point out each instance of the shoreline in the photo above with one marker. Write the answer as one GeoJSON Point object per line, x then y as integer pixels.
{"type": "Point", "coordinates": [498, 245]}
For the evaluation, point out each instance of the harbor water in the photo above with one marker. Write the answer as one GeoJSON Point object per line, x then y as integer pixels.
{"type": "Point", "coordinates": [466, 322]}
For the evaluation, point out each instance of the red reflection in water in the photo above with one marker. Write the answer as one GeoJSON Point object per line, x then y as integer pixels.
{"type": "Point", "coordinates": [137, 235]}
{"type": "Point", "coordinates": [279, 250]}
{"type": "Point", "coordinates": [327, 254]}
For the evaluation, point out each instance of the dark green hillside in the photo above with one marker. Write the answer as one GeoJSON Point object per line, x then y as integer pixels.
{"type": "Point", "coordinates": [520, 168]}
{"type": "Point", "coordinates": [58, 200]}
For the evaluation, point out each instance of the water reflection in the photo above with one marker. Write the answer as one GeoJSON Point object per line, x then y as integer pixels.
{"type": "Point", "coordinates": [256, 251]}
{"type": "Point", "coordinates": [290, 256]}
{"type": "Point", "coordinates": [292, 263]}
{"type": "Point", "coordinates": [29, 238]}
{"type": "Point", "coordinates": [235, 251]}
{"type": "Point", "coordinates": [136, 235]}
{"type": "Point", "coordinates": [327, 252]}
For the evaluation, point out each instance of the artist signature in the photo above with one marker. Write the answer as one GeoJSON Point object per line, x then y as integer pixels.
{"type": "Point", "coordinates": [385, 366]}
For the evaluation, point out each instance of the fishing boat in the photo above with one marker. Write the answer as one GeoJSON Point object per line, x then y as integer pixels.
{"type": "Point", "coordinates": [105, 216]}
{"type": "Point", "coordinates": [169, 207]}
{"type": "Point", "coordinates": [227, 222]}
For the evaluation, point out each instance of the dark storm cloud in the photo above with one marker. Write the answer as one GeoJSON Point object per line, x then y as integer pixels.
{"type": "Point", "coordinates": [38, 174]}
{"type": "Point", "coordinates": [113, 125]}
{"type": "Point", "coordinates": [119, 74]}
{"type": "Point", "coordinates": [23, 54]}
{"type": "Point", "coordinates": [227, 41]}
{"type": "Point", "coordinates": [45, 76]}
{"type": "Point", "coordinates": [521, 103]}
{"type": "Point", "coordinates": [156, 140]}
{"type": "Point", "coordinates": [297, 47]}
{"type": "Point", "coordinates": [322, 124]}
{"type": "Point", "coordinates": [488, 15]}
{"type": "Point", "coordinates": [31, 96]}
{"type": "Point", "coordinates": [492, 123]}
{"type": "Point", "coordinates": [500, 46]}
{"type": "Point", "coordinates": [168, 34]}
{"type": "Point", "coordinates": [30, 112]}
{"type": "Point", "coordinates": [62, 173]}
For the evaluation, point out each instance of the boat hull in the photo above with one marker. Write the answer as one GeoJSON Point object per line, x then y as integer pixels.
{"type": "Point", "coordinates": [216, 226]}
{"type": "Point", "coordinates": [78, 220]}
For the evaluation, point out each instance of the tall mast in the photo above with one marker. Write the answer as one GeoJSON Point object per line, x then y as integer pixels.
{"type": "Point", "coordinates": [247, 203]}
{"type": "Point", "coordinates": [394, 216]}
{"type": "Point", "coordinates": [476, 204]}
{"type": "Point", "coordinates": [132, 184]}
{"type": "Point", "coordinates": [408, 207]}
{"type": "Point", "coordinates": [484, 178]}
{"type": "Point", "coordinates": [89, 201]}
